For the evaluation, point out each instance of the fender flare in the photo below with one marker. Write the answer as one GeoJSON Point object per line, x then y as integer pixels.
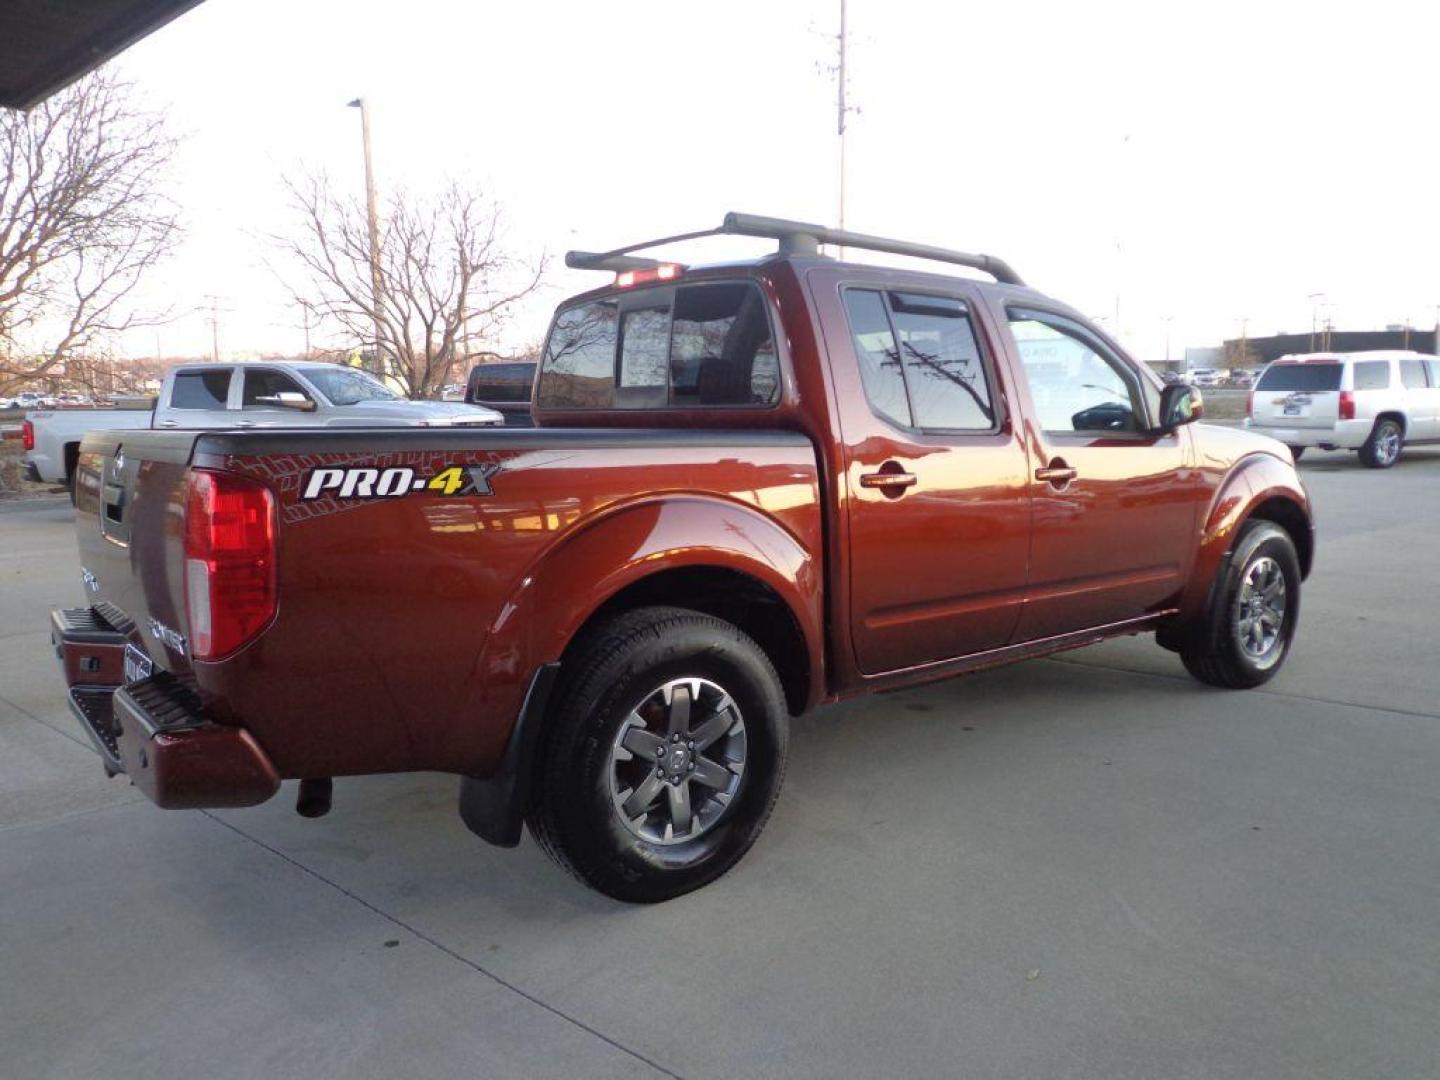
{"type": "Point", "coordinates": [520, 659]}
{"type": "Point", "coordinates": [1255, 479]}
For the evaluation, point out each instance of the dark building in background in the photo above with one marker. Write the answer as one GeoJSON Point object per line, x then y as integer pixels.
{"type": "Point", "coordinates": [1262, 350]}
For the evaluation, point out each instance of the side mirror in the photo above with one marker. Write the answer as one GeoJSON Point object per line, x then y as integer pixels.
{"type": "Point", "coordinates": [1180, 404]}
{"type": "Point", "coordinates": [288, 399]}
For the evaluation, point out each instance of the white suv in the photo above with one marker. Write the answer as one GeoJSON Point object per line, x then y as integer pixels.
{"type": "Point", "coordinates": [1373, 402]}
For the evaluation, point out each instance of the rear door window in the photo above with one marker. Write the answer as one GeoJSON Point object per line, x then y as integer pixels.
{"type": "Point", "coordinates": [920, 363]}
{"type": "Point", "coordinates": [1312, 377]}
{"type": "Point", "coordinates": [878, 355]}
{"type": "Point", "coordinates": [1412, 374]}
{"type": "Point", "coordinates": [941, 359]}
{"type": "Point", "coordinates": [707, 345]}
{"type": "Point", "coordinates": [200, 389]}
{"type": "Point", "coordinates": [1372, 375]}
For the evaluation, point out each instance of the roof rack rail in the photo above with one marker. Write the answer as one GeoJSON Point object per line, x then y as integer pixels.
{"type": "Point", "coordinates": [801, 238]}
{"type": "Point", "coordinates": [795, 238]}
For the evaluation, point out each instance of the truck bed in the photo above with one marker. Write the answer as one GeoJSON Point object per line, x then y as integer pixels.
{"type": "Point", "coordinates": [428, 609]}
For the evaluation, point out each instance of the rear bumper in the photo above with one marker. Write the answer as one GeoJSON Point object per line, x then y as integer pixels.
{"type": "Point", "coordinates": [1345, 435]}
{"type": "Point", "coordinates": [154, 730]}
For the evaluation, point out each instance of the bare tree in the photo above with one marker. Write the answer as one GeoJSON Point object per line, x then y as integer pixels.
{"type": "Point", "coordinates": [82, 217]}
{"type": "Point", "coordinates": [446, 282]}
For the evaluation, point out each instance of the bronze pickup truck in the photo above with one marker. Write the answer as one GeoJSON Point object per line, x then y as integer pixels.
{"type": "Point", "coordinates": [753, 488]}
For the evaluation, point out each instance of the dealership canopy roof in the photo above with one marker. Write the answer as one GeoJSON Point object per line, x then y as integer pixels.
{"type": "Point", "coordinates": [45, 44]}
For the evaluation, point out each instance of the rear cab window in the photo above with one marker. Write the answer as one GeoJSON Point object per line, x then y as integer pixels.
{"type": "Point", "coordinates": [1289, 377]}
{"type": "Point", "coordinates": [504, 384]}
{"type": "Point", "coordinates": [706, 344]}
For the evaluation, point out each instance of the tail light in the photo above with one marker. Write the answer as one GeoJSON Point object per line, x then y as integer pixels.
{"type": "Point", "coordinates": [1250, 403]}
{"type": "Point", "coordinates": [229, 562]}
{"type": "Point", "coordinates": [1347, 405]}
{"type": "Point", "coordinates": [27, 435]}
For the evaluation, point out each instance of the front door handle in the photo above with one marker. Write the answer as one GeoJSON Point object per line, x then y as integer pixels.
{"type": "Point", "coordinates": [1057, 473]}
{"type": "Point", "coordinates": [892, 479]}
{"type": "Point", "coordinates": [169, 423]}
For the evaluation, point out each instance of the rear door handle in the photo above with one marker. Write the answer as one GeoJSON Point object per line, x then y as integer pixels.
{"type": "Point", "coordinates": [169, 423]}
{"type": "Point", "coordinates": [1057, 473]}
{"type": "Point", "coordinates": [892, 481]}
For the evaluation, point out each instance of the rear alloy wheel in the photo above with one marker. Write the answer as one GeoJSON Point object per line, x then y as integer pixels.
{"type": "Point", "coordinates": [1253, 614]}
{"type": "Point", "coordinates": [677, 760]}
{"type": "Point", "coordinates": [663, 754]}
{"type": "Point", "coordinates": [1382, 448]}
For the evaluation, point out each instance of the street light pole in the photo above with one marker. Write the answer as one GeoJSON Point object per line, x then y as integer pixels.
{"type": "Point", "coordinates": [372, 214]}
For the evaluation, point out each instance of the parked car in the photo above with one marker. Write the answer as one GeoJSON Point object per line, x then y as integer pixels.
{"type": "Point", "coordinates": [753, 488]}
{"type": "Point", "coordinates": [1242, 378]}
{"type": "Point", "coordinates": [1372, 402]}
{"type": "Point", "coordinates": [1203, 376]}
{"type": "Point", "coordinates": [298, 394]}
{"type": "Point", "coordinates": [506, 388]}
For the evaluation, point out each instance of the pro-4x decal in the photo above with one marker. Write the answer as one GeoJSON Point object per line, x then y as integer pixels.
{"type": "Point", "coordinates": [344, 482]}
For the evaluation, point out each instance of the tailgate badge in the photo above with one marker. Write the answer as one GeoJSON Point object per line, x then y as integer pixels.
{"type": "Point", "coordinates": [171, 639]}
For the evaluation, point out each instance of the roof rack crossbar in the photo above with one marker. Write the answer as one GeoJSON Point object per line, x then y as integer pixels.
{"type": "Point", "coordinates": [795, 238]}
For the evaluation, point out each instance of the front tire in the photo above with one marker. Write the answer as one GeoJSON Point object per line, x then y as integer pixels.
{"type": "Point", "coordinates": [663, 755]}
{"type": "Point", "coordinates": [1255, 608]}
{"type": "Point", "coordinates": [1382, 448]}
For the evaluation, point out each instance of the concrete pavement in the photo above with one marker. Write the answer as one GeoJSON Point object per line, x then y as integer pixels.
{"type": "Point", "coordinates": [1088, 866]}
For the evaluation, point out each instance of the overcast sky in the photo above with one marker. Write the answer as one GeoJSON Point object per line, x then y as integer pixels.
{"type": "Point", "coordinates": [1206, 164]}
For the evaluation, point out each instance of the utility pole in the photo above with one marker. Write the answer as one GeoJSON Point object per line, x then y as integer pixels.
{"type": "Point", "coordinates": [214, 329]}
{"type": "Point", "coordinates": [1314, 315]}
{"type": "Point", "coordinates": [373, 216]}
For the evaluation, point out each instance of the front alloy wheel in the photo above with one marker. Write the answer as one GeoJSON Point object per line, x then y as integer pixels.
{"type": "Point", "coordinates": [1259, 615]}
{"type": "Point", "coordinates": [1249, 626]}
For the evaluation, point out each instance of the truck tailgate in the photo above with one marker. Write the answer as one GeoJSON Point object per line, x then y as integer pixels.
{"type": "Point", "coordinates": [129, 507]}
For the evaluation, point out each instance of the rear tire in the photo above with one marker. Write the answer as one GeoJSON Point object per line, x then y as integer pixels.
{"type": "Point", "coordinates": [1382, 448]}
{"type": "Point", "coordinates": [1297, 452]}
{"type": "Point", "coordinates": [610, 808]}
{"type": "Point", "coordinates": [1255, 608]}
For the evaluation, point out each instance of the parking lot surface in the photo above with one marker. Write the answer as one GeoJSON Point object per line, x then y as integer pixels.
{"type": "Point", "coordinates": [1086, 866]}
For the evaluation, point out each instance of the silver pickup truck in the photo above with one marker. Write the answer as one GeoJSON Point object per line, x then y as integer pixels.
{"type": "Point", "coordinates": [290, 394]}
